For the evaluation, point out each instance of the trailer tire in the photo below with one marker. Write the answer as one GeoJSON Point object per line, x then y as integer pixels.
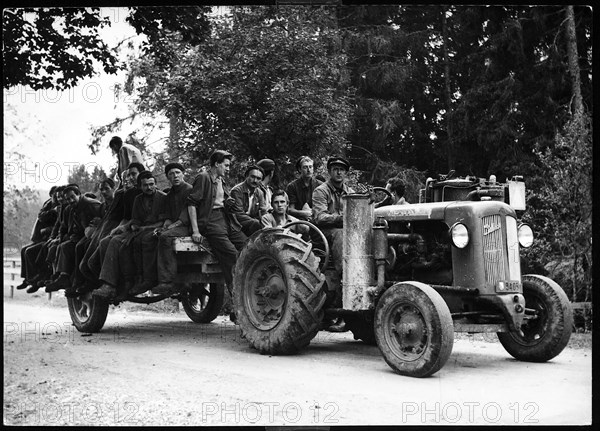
{"type": "Point", "coordinates": [278, 292]}
{"type": "Point", "coordinates": [203, 305]}
{"type": "Point", "coordinates": [88, 312]}
{"type": "Point", "coordinates": [414, 329]}
{"type": "Point", "coordinates": [548, 335]}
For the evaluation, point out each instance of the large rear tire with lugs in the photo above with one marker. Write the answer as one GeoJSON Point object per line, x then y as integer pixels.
{"type": "Point", "coordinates": [278, 292]}
{"type": "Point", "coordinates": [546, 335]}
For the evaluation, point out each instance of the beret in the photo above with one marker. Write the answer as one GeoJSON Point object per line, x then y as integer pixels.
{"type": "Point", "coordinates": [266, 164]}
{"type": "Point", "coordinates": [338, 161]}
{"type": "Point", "coordinates": [173, 165]}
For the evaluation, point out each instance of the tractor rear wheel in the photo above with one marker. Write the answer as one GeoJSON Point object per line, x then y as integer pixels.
{"type": "Point", "coordinates": [548, 334]}
{"type": "Point", "coordinates": [279, 292]}
{"type": "Point", "coordinates": [414, 329]}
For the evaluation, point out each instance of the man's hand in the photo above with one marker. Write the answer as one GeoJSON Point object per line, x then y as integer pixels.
{"type": "Point", "coordinates": [116, 231]}
{"type": "Point", "coordinates": [364, 189]}
{"type": "Point", "coordinates": [229, 204]}
{"type": "Point", "coordinates": [196, 237]}
{"type": "Point", "coordinates": [159, 230]}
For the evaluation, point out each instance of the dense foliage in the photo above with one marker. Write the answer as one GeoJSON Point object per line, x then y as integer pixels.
{"type": "Point", "coordinates": [53, 47]}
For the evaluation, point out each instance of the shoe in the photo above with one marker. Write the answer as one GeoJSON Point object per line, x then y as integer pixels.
{"type": "Point", "coordinates": [32, 289]}
{"type": "Point", "coordinates": [44, 283]}
{"type": "Point", "coordinates": [339, 326]}
{"type": "Point", "coordinates": [23, 285]}
{"type": "Point", "coordinates": [62, 282]}
{"type": "Point", "coordinates": [164, 289]}
{"type": "Point", "coordinates": [71, 293]}
{"type": "Point", "coordinates": [83, 288]}
{"type": "Point", "coordinates": [106, 291]}
{"type": "Point", "coordinates": [142, 287]}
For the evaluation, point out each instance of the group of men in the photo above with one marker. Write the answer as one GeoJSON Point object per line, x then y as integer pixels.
{"type": "Point", "coordinates": [123, 246]}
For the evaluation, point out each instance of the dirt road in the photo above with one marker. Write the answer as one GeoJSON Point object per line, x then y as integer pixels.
{"type": "Point", "coordinates": [155, 369]}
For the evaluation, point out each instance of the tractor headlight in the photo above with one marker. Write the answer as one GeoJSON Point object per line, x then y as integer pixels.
{"type": "Point", "coordinates": [525, 235]}
{"type": "Point", "coordinates": [460, 235]}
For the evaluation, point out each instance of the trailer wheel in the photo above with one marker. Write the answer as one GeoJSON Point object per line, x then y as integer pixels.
{"type": "Point", "coordinates": [279, 294]}
{"type": "Point", "coordinates": [362, 328]}
{"type": "Point", "coordinates": [414, 329]}
{"type": "Point", "coordinates": [88, 313]}
{"type": "Point", "coordinates": [546, 336]}
{"type": "Point", "coordinates": [203, 302]}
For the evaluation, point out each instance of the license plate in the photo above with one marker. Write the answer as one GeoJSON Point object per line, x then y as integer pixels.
{"type": "Point", "coordinates": [508, 286]}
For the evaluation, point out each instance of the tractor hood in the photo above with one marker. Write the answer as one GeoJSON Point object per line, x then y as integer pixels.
{"type": "Point", "coordinates": [439, 210]}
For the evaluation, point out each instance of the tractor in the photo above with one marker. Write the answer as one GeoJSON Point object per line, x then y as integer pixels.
{"type": "Point", "coordinates": [412, 276]}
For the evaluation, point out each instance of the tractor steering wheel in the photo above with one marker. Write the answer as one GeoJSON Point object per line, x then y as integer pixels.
{"type": "Point", "coordinates": [387, 200]}
{"type": "Point", "coordinates": [323, 254]}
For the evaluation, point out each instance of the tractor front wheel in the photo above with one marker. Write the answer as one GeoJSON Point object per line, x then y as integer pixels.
{"type": "Point", "coordinates": [547, 333]}
{"type": "Point", "coordinates": [414, 329]}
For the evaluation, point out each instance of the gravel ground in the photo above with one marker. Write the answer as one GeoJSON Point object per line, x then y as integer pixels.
{"type": "Point", "coordinates": [151, 368]}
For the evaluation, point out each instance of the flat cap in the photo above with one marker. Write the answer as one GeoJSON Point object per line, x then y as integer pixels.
{"type": "Point", "coordinates": [336, 160]}
{"type": "Point", "coordinates": [173, 165]}
{"type": "Point", "coordinates": [266, 164]}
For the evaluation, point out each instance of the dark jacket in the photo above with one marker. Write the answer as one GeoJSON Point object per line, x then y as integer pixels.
{"type": "Point", "coordinates": [141, 215]}
{"type": "Point", "coordinates": [241, 195]}
{"type": "Point", "coordinates": [202, 196]}
{"type": "Point", "coordinates": [328, 205]}
{"type": "Point", "coordinates": [81, 215]}
{"type": "Point", "coordinates": [45, 221]}
{"type": "Point", "coordinates": [176, 201]}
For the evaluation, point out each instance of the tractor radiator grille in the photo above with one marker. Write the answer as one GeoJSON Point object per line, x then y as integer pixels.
{"type": "Point", "coordinates": [493, 249]}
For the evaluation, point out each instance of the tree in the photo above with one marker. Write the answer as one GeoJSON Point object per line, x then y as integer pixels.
{"type": "Point", "coordinates": [53, 47]}
{"type": "Point", "coordinates": [87, 182]}
{"type": "Point", "coordinates": [265, 84]}
{"type": "Point", "coordinates": [20, 210]}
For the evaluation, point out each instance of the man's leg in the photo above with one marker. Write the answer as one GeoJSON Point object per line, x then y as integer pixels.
{"type": "Point", "coordinates": [218, 233]}
{"type": "Point", "coordinates": [128, 262]}
{"type": "Point", "coordinates": [336, 241]}
{"type": "Point", "coordinates": [65, 266]}
{"type": "Point", "coordinates": [80, 250]}
{"type": "Point", "coordinates": [148, 250]}
{"type": "Point", "coordinates": [166, 262]}
{"type": "Point", "coordinates": [109, 273]}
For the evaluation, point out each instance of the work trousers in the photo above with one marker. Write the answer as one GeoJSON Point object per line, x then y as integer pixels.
{"type": "Point", "coordinates": [29, 254]}
{"type": "Point", "coordinates": [335, 239]}
{"type": "Point", "coordinates": [111, 268]}
{"type": "Point", "coordinates": [84, 266]}
{"type": "Point", "coordinates": [144, 255]}
{"type": "Point", "coordinates": [67, 255]}
{"type": "Point", "coordinates": [41, 261]}
{"type": "Point", "coordinates": [225, 242]}
{"type": "Point", "coordinates": [166, 260]}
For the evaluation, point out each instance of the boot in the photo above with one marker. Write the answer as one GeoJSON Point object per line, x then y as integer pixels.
{"type": "Point", "coordinates": [106, 291]}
